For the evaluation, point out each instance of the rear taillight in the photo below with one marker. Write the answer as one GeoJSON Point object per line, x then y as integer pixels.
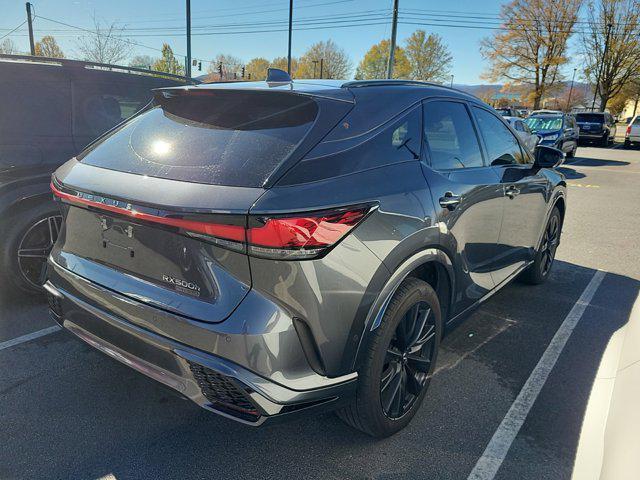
{"type": "Point", "coordinates": [290, 237]}
{"type": "Point", "coordinates": [628, 130]}
{"type": "Point", "coordinates": [301, 236]}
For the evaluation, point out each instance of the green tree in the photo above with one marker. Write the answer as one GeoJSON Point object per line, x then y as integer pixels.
{"type": "Point", "coordinates": [428, 56]}
{"type": "Point", "coordinates": [335, 61]}
{"type": "Point", "coordinates": [531, 46]}
{"type": "Point", "coordinates": [256, 69]}
{"type": "Point", "coordinates": [374, 63]}
{"type": "Point", "coordinates": [168, 62]}
{"type": "Point", "coordinates": [48, 47]}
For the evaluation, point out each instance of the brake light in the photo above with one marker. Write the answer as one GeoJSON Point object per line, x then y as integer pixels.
{"type": "Point", "coordinates": [304, 236]}
{"type": "Point", "coordinates": [292, 237]}
{"type": "Point", "coordinates": [235, 233]}
{"type": "Point", "coordinates": [628, 130]}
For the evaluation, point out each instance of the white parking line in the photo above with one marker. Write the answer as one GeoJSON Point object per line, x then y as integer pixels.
{"type": "Point", "coordinates": [29, 336]}
{"type": "Point", "coordinates": [497, 449]}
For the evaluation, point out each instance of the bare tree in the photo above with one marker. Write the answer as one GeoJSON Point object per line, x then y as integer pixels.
{"type": "Point", "coordinates": [612, 46]}
{"type": "Point", "coordinates": [105, 44]}
{"type": "Point", "coordinates": [7, 46]}
{"type": "Point", "coordinates": [142, 61]}
{"type": "Point", "coordinates": [532, 46]}
{"type": "Point", "coordinates": [335, 61]}
{"type": "Point", "coordinates": [231, 67]}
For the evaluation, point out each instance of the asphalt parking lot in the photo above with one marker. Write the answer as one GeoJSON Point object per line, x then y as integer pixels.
{"type": "Point", "coordinates": [68, 411]}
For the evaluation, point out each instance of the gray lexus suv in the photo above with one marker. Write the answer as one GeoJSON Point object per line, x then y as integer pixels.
{"type": "Point", "coordinates": [270, 249]}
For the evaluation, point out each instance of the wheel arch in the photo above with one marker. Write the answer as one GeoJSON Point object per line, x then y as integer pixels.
{"type": "Point", "coordinates": [432, 265]}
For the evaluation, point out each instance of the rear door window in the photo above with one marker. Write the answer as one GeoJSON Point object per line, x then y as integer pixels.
{"type": "Point", "coordinates": [502, 146]}
{"type": "Point", "coordinates": [216, 137]}
{"type": "Point", "coordinates": [98, 107]}
{"type": "Point", "coordinates": [450, 136]}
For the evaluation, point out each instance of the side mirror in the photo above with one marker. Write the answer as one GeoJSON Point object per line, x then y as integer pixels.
{"type": "Point", "coordinates": [548, 157]}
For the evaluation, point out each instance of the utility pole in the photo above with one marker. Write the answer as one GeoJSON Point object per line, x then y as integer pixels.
{"type": "Point", "coordinates": [321, 67]}
{"type": "Point", "coordinates": [290, 28]}
{"type": "Point", "coordinates": [451, 81]}
{"type": "Point", "coordinates": [604, 56]}
{"type": "Point", "coordinates": [394, 32]}
{"type": "Point", "coordinates": [188, 69]}
{"type": "Point", "coordinates": [30, 22]}
{"type": "Point", "coordinates": [571, 89]}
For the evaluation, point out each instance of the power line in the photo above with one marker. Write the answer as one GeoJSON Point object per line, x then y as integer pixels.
{"type": "Point", "coordinates": [100, 34]}
{"type": "Point", "coordinates": [7, 34]}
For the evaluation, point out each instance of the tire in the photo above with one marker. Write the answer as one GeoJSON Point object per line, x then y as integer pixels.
{"type": "Point", "coordinates": [28, 232]}
{"type": "Point", "coordinates": [539, 270]}
{"type": "Point", "coordinates": [375, 410]}
{"type": "Point", "coordinates": [627, 143]}
{"type": "Point", "coordinates": [604, 141]}
{"type": "Point", "coordinates": [572, 153]}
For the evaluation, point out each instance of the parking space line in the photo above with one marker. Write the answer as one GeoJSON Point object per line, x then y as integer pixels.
{"type": "Point", "coordinates": [499, 445]}
{"type": "Point", "coordinates": [29, 336]}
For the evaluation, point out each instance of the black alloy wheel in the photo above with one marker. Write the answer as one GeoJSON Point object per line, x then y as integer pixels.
{"type": "Point", "coordinates": [539, 270]}
{"type": "Point", "coordinates": [398, 362]}
{"type": "Point", "coordinates": [34, 248]}
{"type": "Point", "coordinates": [408, 361]}
{"type": "Point", "coordinates": [550, 242]}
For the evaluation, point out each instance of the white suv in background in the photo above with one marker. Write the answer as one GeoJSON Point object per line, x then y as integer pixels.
{"type": "Point", "coordinates": [632, 135]}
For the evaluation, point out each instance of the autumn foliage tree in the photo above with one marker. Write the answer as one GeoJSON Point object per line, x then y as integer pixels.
{"type": "Point", "coordinates": [611, 46]}
{"type": "Point", "coordinates": [374, 63]}
{"type": "Point", "coordinates": [48, 47]}
{"type": "Point", "coordinates": [532, 44]}
{"type": "Point", "coordinates": [256, 69]}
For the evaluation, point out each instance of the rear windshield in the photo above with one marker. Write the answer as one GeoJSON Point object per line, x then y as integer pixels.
{"type": "Point", "coordinates": [504, 111]}
{"type": "Point", "coordinates": [589, 118]}
{"type": "Point", "coordinates": [544, 123]}
{"type": "Point", "coordinates": [215, 137]}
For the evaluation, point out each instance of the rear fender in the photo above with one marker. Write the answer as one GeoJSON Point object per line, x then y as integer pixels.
{"type": "Point", "coordinates": [377, 310]}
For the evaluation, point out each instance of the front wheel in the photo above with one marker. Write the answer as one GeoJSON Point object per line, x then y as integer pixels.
{"type": "Point", "coordinates": [399, 362]}
{"type": "Point", "coordinates": [539, 270]}
{"type": "Point", "coordinates": [29, 237]}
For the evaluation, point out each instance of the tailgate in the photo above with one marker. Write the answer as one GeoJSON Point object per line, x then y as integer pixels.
{"type": "Point", "coordinates": [151, 257]}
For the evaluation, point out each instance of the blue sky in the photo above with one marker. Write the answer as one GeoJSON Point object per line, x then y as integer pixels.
{"type": "Point", "coordinates": [146, 19]}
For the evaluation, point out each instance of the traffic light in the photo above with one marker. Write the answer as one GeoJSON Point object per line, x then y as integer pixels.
{"type": "Point", "coordinates": [220, 69]}
{"type": "Point", "coordinates": [199, 66]}
{"type": "Point", "coordinates": [242, 72]}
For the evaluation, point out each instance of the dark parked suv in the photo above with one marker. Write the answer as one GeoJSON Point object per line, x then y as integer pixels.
{"type": "Point", "coordinates": [50, 109]}
{"type": "Point", "coordinates": [274, 248]}
{"type": "Point", "coordinates": [596, 126]}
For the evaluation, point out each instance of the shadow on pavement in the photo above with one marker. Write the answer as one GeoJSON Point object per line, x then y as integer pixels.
{"type": "Point", "coordinates": [70, 412]}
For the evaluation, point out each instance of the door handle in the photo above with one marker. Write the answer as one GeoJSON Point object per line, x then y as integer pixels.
{"type": "Point", "coordinates": [512, 191]}
{"type": "Point", "coordinates": [450, 201]}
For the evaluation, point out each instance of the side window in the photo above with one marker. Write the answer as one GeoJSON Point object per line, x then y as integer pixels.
{"type": "Point", "coordinates": [519, 126]}
{"type": "Point", "coordinates": [450, 136]}
{"type": "Point", "coordinates": [100, 106]}
{"type": "Point", "coordinates": [502, 147]}
{"type": "Point", "coordinates": [395, 142]}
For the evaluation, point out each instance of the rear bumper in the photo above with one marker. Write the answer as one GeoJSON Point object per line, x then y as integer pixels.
{"type": "Point", "coordinates": [592, 135]}
{"type": "Point", "coordinates": [211, 381]}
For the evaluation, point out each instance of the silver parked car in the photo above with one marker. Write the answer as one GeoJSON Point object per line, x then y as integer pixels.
{"type": "Point", "coordinates": [529, 138]}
